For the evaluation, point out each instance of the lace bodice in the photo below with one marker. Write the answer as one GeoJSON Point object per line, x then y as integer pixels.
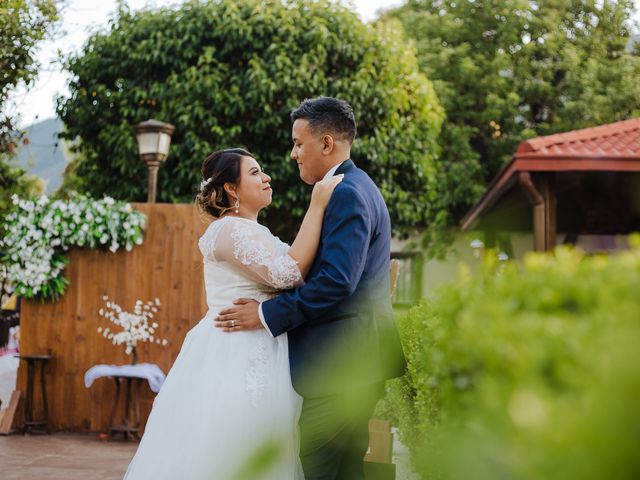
{"type": "Point", "coordinates": [243, 259]}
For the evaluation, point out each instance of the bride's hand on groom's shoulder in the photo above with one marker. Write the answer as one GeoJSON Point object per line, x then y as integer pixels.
{"type": "Point", "coordinates": [242, 316]}
{"type": "Point", "coordinates": [323, 189]}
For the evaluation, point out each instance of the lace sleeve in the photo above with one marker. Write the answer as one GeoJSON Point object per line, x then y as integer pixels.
{"type": "Point", "coordinates": [282, 246]}
{"type": "Point", "coordinates": [257, 254]}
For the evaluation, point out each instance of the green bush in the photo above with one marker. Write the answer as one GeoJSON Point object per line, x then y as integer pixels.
{"type": "Point", "coordinates": [526, 371]}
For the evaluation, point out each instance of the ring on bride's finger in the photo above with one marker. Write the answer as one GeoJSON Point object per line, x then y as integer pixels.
{"type": "Point", "coordinates": [233, 323]}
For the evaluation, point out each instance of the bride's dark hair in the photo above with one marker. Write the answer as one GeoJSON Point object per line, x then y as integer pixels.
{"type": "Point", "coordinates": [217, 169]}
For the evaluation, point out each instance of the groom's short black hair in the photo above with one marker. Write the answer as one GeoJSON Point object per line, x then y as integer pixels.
{"type": "Point", "coordinates": [327, 115]}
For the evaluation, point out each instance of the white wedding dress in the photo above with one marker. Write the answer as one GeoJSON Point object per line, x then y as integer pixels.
{"type": "Point", "coordinates": [228, 399]}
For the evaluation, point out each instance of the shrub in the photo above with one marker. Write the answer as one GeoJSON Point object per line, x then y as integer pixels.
{"type": "Point", "coordinates": [525, 371]}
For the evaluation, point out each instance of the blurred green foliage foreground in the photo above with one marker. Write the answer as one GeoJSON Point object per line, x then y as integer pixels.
{"type": "Point", "coordinates": [526, 371]}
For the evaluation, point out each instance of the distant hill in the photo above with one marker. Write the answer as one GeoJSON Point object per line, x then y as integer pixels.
{"type": "Point", "coordinates": [44, 155]}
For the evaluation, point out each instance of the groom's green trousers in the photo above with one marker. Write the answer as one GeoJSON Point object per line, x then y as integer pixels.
{"type": "Point", "coordinates": [334, 433]}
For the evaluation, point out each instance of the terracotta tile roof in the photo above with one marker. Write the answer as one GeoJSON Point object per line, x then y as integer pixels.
{"type": "Point", "coordinates": [615, 140]}
{"type": "Point", "coordinates": [607, 148]}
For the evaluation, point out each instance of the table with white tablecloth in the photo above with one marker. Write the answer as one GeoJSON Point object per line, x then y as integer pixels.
{"type": "Point", "coordinates": [132, 377]}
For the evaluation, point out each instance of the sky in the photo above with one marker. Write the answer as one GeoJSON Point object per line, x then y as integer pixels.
{"type": "Point", "coordinates": [79, 18]}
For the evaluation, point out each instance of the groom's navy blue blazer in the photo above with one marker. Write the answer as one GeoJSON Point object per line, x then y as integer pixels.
{"type": "Point", "coordinates": [341, 318]}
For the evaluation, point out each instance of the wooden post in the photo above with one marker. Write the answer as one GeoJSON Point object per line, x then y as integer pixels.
{"type": "Point", "coordinates": [378, 461]}
{"type": "Point", "coordinates": [380, 442]}
{"type": "Point", "coordinates": [538, 228]}
{"type": "Point", "coordinates": [543, 201]}
{"type": "Point", "coordinates": [536, 200]}
{"type": "Point", "coordinates": [394, 270]}
{"type": "Point", "coordinates": [548, 192]}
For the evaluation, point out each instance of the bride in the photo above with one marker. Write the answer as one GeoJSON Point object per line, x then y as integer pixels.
{"type": "Point", "coordinates": [228, 403]}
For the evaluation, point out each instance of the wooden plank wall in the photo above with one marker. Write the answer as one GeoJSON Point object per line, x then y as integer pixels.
{"type": "Point", "coordinates": [168, 266]}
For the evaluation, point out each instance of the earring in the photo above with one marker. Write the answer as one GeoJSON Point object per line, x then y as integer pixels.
{"type": "Point", "coordinates": [237, 205]}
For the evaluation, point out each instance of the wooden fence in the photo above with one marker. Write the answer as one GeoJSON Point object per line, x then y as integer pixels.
{"type": "Point", "coordinates": [168, 266]}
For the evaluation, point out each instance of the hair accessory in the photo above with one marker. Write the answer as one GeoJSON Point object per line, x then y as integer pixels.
{"type": "Point", "coordinates": [204, 183]}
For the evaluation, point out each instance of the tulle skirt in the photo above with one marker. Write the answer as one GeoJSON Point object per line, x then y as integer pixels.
{"type": "Point", "coordinates": [226, 411]}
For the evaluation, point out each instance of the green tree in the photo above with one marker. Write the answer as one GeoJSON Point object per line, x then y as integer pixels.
{"type": "Point", "coordinates": [23, 23]}
{"type": "Point", "coordinates": [228, 73]}
{"type": "Point", "coordinates": [13, 181]}
{"type": "Point", "coordinates": [509, 70]}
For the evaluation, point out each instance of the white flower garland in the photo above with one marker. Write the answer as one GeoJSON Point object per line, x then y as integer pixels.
{"type": "Point", "coordinates": [135, 326]}
{"type": "Point", "coordinates": [36, 232]}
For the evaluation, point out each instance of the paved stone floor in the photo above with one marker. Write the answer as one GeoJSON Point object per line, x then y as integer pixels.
{"type": "Point", "coordinates": [63, 456]}
{"type": "Point", "coordinates": [70, 456]}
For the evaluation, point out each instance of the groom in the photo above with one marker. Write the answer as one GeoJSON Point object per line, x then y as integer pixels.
{"type": "Point", "coordinates": [343, 343]}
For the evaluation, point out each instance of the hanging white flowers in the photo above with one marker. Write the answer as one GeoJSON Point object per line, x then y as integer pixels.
{"type": "Point", "coordinates": [36, 232]}
{"type": "Point", "coordinates": [135, 327]}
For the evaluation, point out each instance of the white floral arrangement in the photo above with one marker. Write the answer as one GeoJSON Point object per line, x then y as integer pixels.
{"type": "Point", "coordinates": [36, 232]}
{"type": "Point", "coordinates": [135, 327]}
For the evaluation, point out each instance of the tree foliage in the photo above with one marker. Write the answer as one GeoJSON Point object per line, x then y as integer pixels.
{"type": "Point", "coordinates": [227, 73]}
{"type": "Point", "coordinates": [23, 23]}
{"type": "Point", "coordinates": [510, 70]}
{"type": "Point", "coordinates": [13, 181]}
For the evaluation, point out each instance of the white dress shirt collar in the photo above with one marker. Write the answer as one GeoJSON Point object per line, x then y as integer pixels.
{"type": "Point", "coordinates": [331, 172]}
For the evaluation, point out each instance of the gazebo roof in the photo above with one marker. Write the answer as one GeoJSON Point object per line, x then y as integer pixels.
{"type": "Point", "coordinates": [607, 148]}
{"type": "Point", "coordinates": [616, 141]}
